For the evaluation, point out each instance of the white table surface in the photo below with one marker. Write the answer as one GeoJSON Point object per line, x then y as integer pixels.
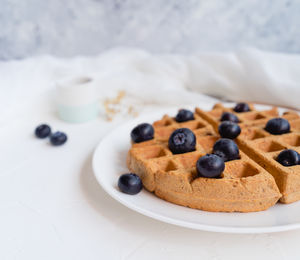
{"type": "Point", "coordinates": [51, 207]}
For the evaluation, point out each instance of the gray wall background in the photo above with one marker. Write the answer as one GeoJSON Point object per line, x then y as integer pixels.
{"type": "Point", "coordinates": [87, 27]}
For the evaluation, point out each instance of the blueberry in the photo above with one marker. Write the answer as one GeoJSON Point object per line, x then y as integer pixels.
{"type": "Point", "coordinates": [42, 131]}
{"type": "Point", "coordinates": [288, 157]}
{"type": "Point", "coordinates": [226, 116]}
{"type": "Point", "coordinates": [210, 166]}
{"type": "Point", "coordinates": [184, 115]}
{"type": "Point", "coordinates": [278, 126]}
{"type": "Point", "coordinates": [226, 149]}
{"type": "Point", "coordinates": [142, 132]}
{"type": "Point", "coordinates": [182, 140]}
{"type": "Point", "coordinates": [130, 183]}
{"type": "Point", "coordinates": [58, 138]}
{"type": "Point", "coordinates": [229, 130]}
{"type": "Point", "coordinates": [241, 107]}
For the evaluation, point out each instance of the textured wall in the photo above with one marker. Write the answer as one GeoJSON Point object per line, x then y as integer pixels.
{"type": "Point", "coordinates": [66, 28]}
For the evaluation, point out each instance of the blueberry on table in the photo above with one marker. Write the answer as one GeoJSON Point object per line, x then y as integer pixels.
{"type": "Point", "coordinates": [288, 157]}
{"type": "Point", "coordinates": [184, 115]}
{"type": "Point", "coordinates": [42, 131]}
{"type": "Point", "coordinates": [226, 116]}
{"type": "Point", "coordinates": [278, 126]}
{"type": "Point", "coordinates": [182, 140]}
{"type": "Point", "coordinates": [142, 132]}
{"type": "Point", "coordinates": [229, 130]}
{"type": "Point", "coordinates": [58, 138]}
{"type": "Point", "coordinates": [226, 149]}
{"type": "Point", "coordinates": [210, 166]}
{"type": "Point", "coordinates": [241, 107]}
{"type": "Point", "coordinates": [130, 183]}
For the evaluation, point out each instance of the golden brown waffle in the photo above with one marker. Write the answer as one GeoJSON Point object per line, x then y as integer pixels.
{"type": "Point", "coordinates": [264, 148]}
{"type": "Point", "coordinates": [244, 185]}
{"type": "Point", "coordinates": [246, 119]}
{"type": "Point", "coordinates": [250, 118]}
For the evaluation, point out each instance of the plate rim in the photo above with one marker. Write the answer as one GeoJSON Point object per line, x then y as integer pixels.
{"type": "Point", "coordinates": [169, 220]}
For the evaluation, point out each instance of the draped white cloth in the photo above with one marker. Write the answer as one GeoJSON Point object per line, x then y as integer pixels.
{"type": "Point", "coordinates": [248, 75]}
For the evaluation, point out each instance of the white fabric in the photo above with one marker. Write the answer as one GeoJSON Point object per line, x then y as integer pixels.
{"type": "Point", "coordinates": [249, 75]}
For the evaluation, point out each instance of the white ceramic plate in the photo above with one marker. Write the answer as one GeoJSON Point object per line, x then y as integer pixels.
{"type": "Point", "coordinates": [109, 162]}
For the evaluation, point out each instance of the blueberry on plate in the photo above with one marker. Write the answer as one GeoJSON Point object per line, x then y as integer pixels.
{"type": "Point", "coordinates": [142, 132]}
{"type": "Point", "coordinates": [42, 131]}
{"type": "Point", "coordinates": [226, 149]}
{"type": "Point", "coordinates": [229, 130]}
{"type": "Point", "coordinates": [226, 116]}
{"type": "Point", "coordinates": [184, 115]}
{"type": "Point", "coordinates": [130, 183]}
{"type": "Point", "coordinates": [288, 157]}
{"type": "Point", "coordinates": [278, 126]}
{"type": "Point", "coordinates": [182, 140]}
{"type": "Point", "coordinates": [241, 107]}
{"type": "Point", "coordinates": [58, 138]}
{"type": "Point", "coordinates": [210, 166]}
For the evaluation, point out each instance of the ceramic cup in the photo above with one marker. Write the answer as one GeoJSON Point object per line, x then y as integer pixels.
{"type": "Point", "coordinates": [77, 101]}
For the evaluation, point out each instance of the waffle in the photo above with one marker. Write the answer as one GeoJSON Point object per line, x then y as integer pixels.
{"type": "Point", "coordinates": [244, 186]}
{"type": "Point", "coordinates": [263, 147]}
{"type": "Point", "coordinates": [250, 118]}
